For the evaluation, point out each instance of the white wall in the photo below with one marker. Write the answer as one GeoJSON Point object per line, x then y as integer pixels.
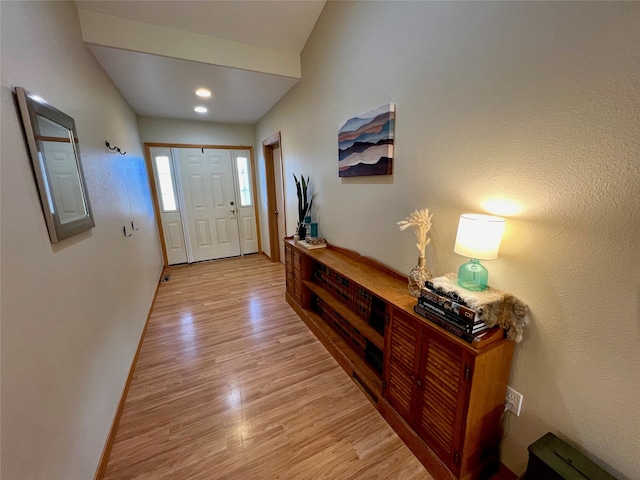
{"type": "Point", "coordinates": [167, 130]}
{"type": "Point", "coordinates": [536, 104]}
{"type": "Point", "coordinates": [72, 312]}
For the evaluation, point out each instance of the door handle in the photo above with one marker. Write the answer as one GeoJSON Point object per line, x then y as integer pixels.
{"type": "Point", "coordinates": [276, 212]}
{"type": "Point", "coordinates": [232, 211]}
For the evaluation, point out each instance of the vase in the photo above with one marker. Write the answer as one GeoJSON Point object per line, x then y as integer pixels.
{"type": "Point", "coordinates": [418, 276]}
{"type": "Point", "coordinates": [302, 231]}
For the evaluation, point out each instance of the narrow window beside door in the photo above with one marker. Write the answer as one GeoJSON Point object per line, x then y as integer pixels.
{"type": "Point", "coordinates": [243, 178]}
{"type": "Point", "coordinates": [167, 192]}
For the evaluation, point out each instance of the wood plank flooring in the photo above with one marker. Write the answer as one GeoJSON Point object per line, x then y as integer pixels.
{"type": "Point", "coordinates": [230, 384]}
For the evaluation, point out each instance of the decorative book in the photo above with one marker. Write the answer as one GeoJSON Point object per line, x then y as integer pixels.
{"type": "Point", "coordinates": [493, 306]}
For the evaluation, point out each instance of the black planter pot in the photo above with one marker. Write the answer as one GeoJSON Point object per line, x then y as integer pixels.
{"type": "Point", "coordinates": [302, 232]}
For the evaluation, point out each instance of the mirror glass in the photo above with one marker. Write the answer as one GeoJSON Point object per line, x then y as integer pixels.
{"type": "Point", "coordinates": [59, 155]}
{"type": "Point", "coordinates": [53, 145]}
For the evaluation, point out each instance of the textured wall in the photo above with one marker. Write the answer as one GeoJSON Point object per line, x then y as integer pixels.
{"type": "Point", "coordinates": [167, 130]}
{"type": "Point", "coordinates": [72, 312]}
{"type": "Point", "coordinates": [528, 109]}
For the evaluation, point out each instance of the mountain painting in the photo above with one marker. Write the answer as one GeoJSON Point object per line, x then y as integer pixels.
{"type": "Point", "coordinates": [365, 143]}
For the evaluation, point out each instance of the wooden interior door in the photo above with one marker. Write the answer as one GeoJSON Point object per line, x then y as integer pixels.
{"type": "Point", "coordinates": [277, 220]}
{"type": "Point", "coordinates": [279, 191]}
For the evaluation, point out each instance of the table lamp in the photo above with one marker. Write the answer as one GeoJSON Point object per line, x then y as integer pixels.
{"type": "Point", "coordinates": [479, 239]}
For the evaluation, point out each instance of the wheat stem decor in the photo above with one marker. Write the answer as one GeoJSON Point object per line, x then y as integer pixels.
{"type": "Point", "coordinates": [420, 222]}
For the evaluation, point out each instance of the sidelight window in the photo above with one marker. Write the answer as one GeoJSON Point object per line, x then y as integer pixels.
{"type": "Point", "coordinates": [244, 180]}
{"type": "Point", "coordinates": [167, 189]}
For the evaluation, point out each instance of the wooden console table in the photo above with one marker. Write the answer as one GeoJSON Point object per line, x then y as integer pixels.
{"type": "Point", "coordinates": [443, 396]}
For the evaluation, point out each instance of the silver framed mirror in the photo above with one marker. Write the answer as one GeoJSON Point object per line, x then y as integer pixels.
{"type": "Point", "coordinates": [55, 155]}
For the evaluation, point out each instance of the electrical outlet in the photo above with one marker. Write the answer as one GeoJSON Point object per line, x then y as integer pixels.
{"type": "Point", "coordinates": [513, 401]}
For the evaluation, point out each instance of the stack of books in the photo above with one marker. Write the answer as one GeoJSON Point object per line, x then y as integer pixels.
{"type": "Point", "coordinates": [450, 312]}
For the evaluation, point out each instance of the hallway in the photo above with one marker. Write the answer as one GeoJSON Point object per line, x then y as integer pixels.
{"type": "Point", "coordinates": [231, 384]}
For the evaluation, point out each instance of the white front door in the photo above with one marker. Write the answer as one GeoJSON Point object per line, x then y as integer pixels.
{"type": "Point", "coordinates": [207, 181]}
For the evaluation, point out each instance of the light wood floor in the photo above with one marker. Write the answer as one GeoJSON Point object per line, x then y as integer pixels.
{"type": "Point", "coordinates": [230, 384]}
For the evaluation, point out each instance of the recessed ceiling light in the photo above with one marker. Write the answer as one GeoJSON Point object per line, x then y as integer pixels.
{"type": "Point", "coordinates": [201, 109]}
{"type": "Point", "coordinates": [203, 92]}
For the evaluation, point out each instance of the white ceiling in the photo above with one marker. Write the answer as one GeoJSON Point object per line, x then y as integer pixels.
{"type": "Point", "coordinates": [158, 77]}
{"type": "Point", "coordinates": [164, 87]}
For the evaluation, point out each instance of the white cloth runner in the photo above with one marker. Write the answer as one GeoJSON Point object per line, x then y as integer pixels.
{"type": "Point", "coordinates": [494, 307]}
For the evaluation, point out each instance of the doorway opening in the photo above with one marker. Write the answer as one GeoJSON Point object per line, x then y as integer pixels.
{"type": "Point", "coordinates": [276, 217]}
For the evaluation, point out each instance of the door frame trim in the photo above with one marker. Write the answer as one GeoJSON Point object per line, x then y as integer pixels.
{"type": "Point", "coordinates": [154, 191]}
{"type": "Point", "coordinates": [268, 145]}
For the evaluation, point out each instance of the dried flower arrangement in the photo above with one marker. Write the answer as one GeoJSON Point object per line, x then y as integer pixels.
{"type": "Point", "coordinates": [420, 221]}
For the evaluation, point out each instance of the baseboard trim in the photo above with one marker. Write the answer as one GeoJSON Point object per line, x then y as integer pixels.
{"type": "Point", "coordinates": [106, 452]}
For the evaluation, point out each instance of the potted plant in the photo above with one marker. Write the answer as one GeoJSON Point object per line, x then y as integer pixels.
{"type": "Point", "coordinates": [304, 204]}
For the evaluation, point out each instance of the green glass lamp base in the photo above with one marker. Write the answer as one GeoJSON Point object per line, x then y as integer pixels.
{"type": "Point", "coordinates": [473, 276]}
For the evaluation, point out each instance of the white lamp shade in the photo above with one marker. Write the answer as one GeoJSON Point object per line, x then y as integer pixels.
{"type": "Point", "coordinates": [479, 236]}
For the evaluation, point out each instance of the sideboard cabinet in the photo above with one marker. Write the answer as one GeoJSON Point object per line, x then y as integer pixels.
{"type": "Point", "coordinates": [443, 396]}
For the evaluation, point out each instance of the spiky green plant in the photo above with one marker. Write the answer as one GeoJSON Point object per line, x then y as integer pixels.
{"type": "Point", "coordinates": [304, 203]}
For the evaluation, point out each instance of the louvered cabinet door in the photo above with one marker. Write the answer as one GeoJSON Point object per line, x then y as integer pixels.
{"type": "Point", "coordinates": [288, 263]}
{"type": "Point", "coordinates": [444, 376]}
{"type": "Point", "coordinates": [297, 276]}
{"type": "Point", "coordinates": [294, 274]}
{"type": "Point", "coordinates": [401, 364]}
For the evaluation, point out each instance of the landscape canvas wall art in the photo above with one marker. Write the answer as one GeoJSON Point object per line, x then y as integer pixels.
{"type": "Point", "coordinates": [365, 143]}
